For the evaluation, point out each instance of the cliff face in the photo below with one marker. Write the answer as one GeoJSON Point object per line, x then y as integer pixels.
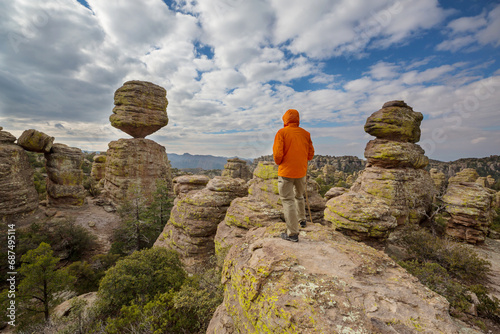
{"type": "Point", "coordinates": [17, 190]}
{"type": "Point", "coordinates": [326, 283]}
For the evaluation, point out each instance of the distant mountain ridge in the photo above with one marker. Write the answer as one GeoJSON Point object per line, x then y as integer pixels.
{"type": "Point", "coordinates": [205, 162]}
{"type": "Point", "coordinates": [349, 164]}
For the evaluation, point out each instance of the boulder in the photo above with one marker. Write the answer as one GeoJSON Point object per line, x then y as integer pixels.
{"type": "Point", "coordinates": [326, 283]}
{"type": "Point", "coordinates": [393, 154]}
{"type": "Point", "coordinates": [65, 176]}
{"type": "Point", "coordinates": [6, 137]}
{"type": "Point", "coordinates": [465, 175]}
{"type": "Point", "coordinates": [469, 207]}
{"type": "Point", "coordinates": [186, 183]}
{"type": "Point", "coordinates": [35, 141]}
{"type": "Point", "coordinates": [194, 218]}
{"type": "Point", "coordinates": [98, 171]}
{"type": "Point", "coordinates": [133, 167]}
{"type": "Point", "coordinates": [237, 168]}
{"type": "Point", "coordinates": [334, 192]}
{"type": "Point", "coordinates": [140, 108]}
{"type": "Point", "coordinates": [17, 190]}
{"type": "Point", "coordinates": [395, 121]}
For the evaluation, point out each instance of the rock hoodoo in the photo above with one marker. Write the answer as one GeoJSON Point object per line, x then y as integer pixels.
{"type": "Point", "coordinates": [17, 189]}
{"type": "Point", "coordinates": [134, 165]}
{"type": "Point", "coordinates": [237, 168]}
{"type": "Point", "coordinates": [327, 283]}
{"type": "Point", "coordinates": [140, 108]}
{"type": "Point", "coordinates": [468, 207]}
{"type": "Point", "coordinates": [394, 189]}
{"type": "Point", "coordinates": [98, 167]}
{"type": "Point", "coordinates": [35, 141]}
{"type": "Point", "coordinates": [194, 219]}
{"type": "Point", "coordinates": [65, 176]}
{"type": "Point", "coordinates": [185, 183]}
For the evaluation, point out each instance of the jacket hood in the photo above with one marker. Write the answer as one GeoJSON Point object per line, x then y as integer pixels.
{"type": "Point", "coordinates": [291, 116]}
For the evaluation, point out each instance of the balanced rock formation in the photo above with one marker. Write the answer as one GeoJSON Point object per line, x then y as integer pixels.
{"type": "Point", "coordinates": [237, 168]}
{"type": "Point", "coordinates": [17, 190]}
{"type": "Point", "coordinates": [326, 283]}
{"type": "Point", "coordinates": [194, 218]}
{"type": "Point", "coordinates": [394, 189]}
{"type": "Point", "coordinates": [140, 108]}
{"type": "Point", "coordinates": [133, 167]}
{"type": "Point", "coordinates": [35, 141]}
{"type": "Point", "coordinates": [469, 207]}
{"type": "Point", "coordinates": [98, 167]}
{"type": "Point", "coordinates": [185, 183]}
{"type": "Point", "coordinates": [65, 176]}
{"type": "Point", "coordinates": [262, 207]}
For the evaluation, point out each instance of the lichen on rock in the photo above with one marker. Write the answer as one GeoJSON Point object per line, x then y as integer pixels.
{"type": "Point", "coordinates": [394, 189]}
{"type": "Point", "coordinates": [140, 108]}
{"type": "Point", "coordinates": [326, 283]}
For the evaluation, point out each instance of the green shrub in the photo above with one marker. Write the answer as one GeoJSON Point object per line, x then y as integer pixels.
{"type": "Point", "coordinates": [68, 240]}
{"type": "Point", "coordinates": [436, 278]}
{"type": "Point", "coordinates": [459, 261]}
{"type": "Point", "coordinates": [139, 277]}
{"type": "Point", "coordinates": [495, 225]}
{"type": "Point", "coordinates": [187, 310]}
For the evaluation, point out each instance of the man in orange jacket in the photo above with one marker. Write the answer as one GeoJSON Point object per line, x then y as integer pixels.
{"type": "Point", "coordinates": [291, 150]}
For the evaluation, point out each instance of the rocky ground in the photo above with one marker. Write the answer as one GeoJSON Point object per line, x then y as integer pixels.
{"type": "Point", "coordinates": [95, 218]}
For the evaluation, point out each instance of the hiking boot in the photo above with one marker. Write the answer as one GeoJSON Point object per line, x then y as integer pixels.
{"type": "Point", "coordinates": [294, 238]}
{"type": "Point", "coordinates": [303, 223]}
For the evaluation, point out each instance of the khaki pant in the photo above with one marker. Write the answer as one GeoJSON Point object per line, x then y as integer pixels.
{"type": "Point", "coordinates": [292, 197]}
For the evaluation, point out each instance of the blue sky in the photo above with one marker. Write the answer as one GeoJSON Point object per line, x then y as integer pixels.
{"type": "Point", "coordinates": [231, 68]}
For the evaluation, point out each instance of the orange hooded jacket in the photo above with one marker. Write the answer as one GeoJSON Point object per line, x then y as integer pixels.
{"type": "Point", "coordinates": [292, 147]}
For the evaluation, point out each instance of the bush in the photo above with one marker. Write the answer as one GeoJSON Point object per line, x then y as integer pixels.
{"type": "Point", "coordinates": [140, 277]}
{"type": "Point", "coordinates": [450, 269]}
{"type": "Point", "coordinates": [438, 280]}
{"type": "Point", "coordinates": [68, 240]}
{"type": "Point", "coordinates": [459, 261]}
{"type": "Point", "coordinates": [188, 310]}
{"type": "Point", "coordinates": [495, 225]}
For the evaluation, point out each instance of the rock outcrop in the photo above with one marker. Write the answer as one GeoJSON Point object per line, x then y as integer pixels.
{"type": "Point", "coordinates": [185, 183]}
{"type": "Point", "coordinates": [394, 189]}
{"type": "Point", "coordinates": [65, 176]}
{"type": "Point", "coordinates": [35, 141]}
{"type": "Point", "coordinates": [262, 207]}
{"type": "Point", "coordinates": [326, 283]}
{"type": "Point", "coordinates": [140, 108]}
{"type": "Point", "coordinates": [98, 171]}
{"type": "Point", "coordinates": [133, 167]}
{"type": "Point", "coordinates": [194, 218]}
{"type": "Point", "coordinates": [439, 180]}
{"type": "Point", "coordinates": [334, 192]}
{"type": "Point", "coordinates": [17, 190]}
{"type": "Point", "coordinates": [469, 207]}
{"type": "Point", "coordinates": [237, 168]}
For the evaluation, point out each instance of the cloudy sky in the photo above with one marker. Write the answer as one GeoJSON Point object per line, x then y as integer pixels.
{"type": "Point", "coordinates": [231, 68]}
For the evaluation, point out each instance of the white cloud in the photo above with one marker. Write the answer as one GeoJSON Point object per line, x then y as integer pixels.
{"type": "Point", "coordinates": [472, 32]}
{"type": "Point", "coordinates": [230, 68]}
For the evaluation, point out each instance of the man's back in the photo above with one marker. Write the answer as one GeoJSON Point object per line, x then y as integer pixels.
{"type": "Point", "coordinates": [292, 147]}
